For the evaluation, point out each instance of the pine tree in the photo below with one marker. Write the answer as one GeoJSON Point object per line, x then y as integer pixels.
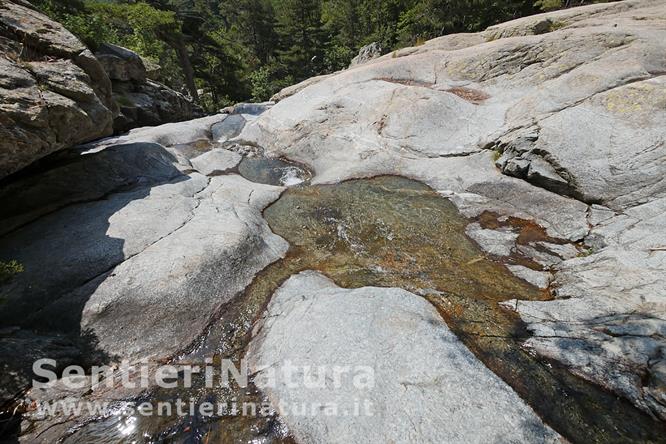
{"type": "Point", "coordinates": [302, 37]}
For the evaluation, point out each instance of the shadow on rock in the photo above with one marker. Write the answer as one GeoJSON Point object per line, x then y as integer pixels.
{"type": "Point", "coordinates": [57, 223]}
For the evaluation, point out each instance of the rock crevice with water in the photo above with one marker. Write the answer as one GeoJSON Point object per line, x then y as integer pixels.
{"type": "Point", "coordinates": [543, 137]}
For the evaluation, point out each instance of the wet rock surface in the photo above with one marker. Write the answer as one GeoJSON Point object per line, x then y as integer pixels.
{"type": "Point", "coordinates": [562, 129]}
{"type": "Point", "coordinates": [540, 249]}
{"type": "Point", "coordinates": [424, 377]}
{"type": "Point", "coordinates": [273, 171]}
{"type": "Point", "coordinates": [388, 232]}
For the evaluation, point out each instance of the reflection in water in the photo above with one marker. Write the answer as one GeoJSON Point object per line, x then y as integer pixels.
{"type": "Point", "coordinates": [391, 231]}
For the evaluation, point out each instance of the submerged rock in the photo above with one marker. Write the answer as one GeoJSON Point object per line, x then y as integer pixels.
{"type": "Point", "coordinates": [547, 133]}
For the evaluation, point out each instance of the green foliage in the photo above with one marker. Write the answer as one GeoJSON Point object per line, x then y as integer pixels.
{"type": "Point", "coordinates": [427, 19]}
{"type": "Point", "coordinates": [261, 84]}
{"type": "Point", "coordinates": [302, 37]}
{"type": "Point", "coordinates": [549, 5]}
{"type": "Point", "coordinates": [337, 57]}
{"type": "Point", "coordinates": [9, 269]}
{"type": "Point", "coordinates": [234, 50]}
{"type": "Point", "coordinates": [124, 101]}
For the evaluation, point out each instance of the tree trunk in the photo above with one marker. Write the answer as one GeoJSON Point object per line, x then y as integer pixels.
{"type": "Point", "coordinates": [178, 44]}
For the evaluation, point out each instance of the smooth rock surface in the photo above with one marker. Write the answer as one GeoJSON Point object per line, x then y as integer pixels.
{"type": "Point", "coordinates": [500, 243]}
{"type": "Point", "coordinates": [552, 123]}
{"type": "Point", "coordinates": [168, 134]}
{"type": "Point", "coordinates": [426, 387]}
{"type": "Point", "coordinates": [570, 107]}
{"type": "Point", "coordinates": [540, 279]}
{"type": "Point", "coordinates": [141, 244]}
{"type": "Point", "coordinates": [217, 161]}
{"type": "Point", "coordinates": [228, 128]}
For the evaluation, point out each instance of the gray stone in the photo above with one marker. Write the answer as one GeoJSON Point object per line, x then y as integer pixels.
{"type": "Point", "coordinates": [228, 128]}
{"type": "Point", "coordinates": [141, 246]}
{"type": "Point", "coordinates": [121, 63]}
{"type": "Point", "coordinates": [150, 103]}
{"type": "Point", "coordinates": [607, 322]}
{"type": "Point", "coordinates": [540, 279]}
{"type": "Point", "coordinates": [253, 109]}
{"type": "Point", "coordinates": [219, 247]}
{"type": "Point", "coordinates": [366, 53]}
{"type": "Point", "coordinates": [53, 94]}
{"type": "Point", "coordinates": [293, 89]}
{"type": "Point", "coordinates": [168, 134]}
{"type": "Point", "coordinates": [423, 378]}
{"type": "Point", "coordinates": [23, 23]}
{"type": "Point", "coordinates": [499, 243]}
{"type": "Point", "coordinates": [574, 100]}
{"type": "Point", "coordinates": [564, 251]}
{"type": "Point", "coordinates": [599, 213]}
{"type": "Point", "coordinates": [543, 23]}
{"type": "Point", "coordinates": [79, 179]}
{"type": "Point", "coordinates": [546, 259]}
{"type": "Point", "coordinates": [216, 161]}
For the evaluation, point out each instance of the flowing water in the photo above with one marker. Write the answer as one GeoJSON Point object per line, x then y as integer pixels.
{"type": "Point", "coordinates": [393, 232]}
{"type": "Point", "coordinates": [273, 171]}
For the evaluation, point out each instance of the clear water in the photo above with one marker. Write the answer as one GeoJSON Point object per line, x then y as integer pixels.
{"type": "Point", "coordinates": [273, 171]}
{"type": "Point", "coordinates": [389, 231]}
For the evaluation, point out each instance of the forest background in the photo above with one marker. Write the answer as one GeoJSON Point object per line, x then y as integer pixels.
{"type": "Point", "coordinates": [220, 52]}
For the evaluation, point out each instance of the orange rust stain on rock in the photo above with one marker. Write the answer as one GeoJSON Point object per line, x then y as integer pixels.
{"type": "Point", "coordinates": [471, 95]}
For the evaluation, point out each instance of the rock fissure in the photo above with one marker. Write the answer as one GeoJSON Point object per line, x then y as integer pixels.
{"type": "Point", "coordinates": [556, 295]}
{"type": "Point", "coordinates": [109, 270]}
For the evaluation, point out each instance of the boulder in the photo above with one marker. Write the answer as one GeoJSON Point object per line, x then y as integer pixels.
{"type": "Point", "coordinates": [228, 128]}
{"type": "Point", "coordinates": [217, 161]}
{"type": "Point", "coordinates": [167, 134]}
{"type": "Point", "coordinates": [142, 100]}
{"type": "Point", "coordinates": [121, 63]}
{"type": "Point", "coordinates": [418, 381]}
{"type": "Point", "coordinates": [366, 53]}
{"type": "Point", "coordinates": [53, 93]}
{"type": "Point", "coordinates": [150, 103]}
